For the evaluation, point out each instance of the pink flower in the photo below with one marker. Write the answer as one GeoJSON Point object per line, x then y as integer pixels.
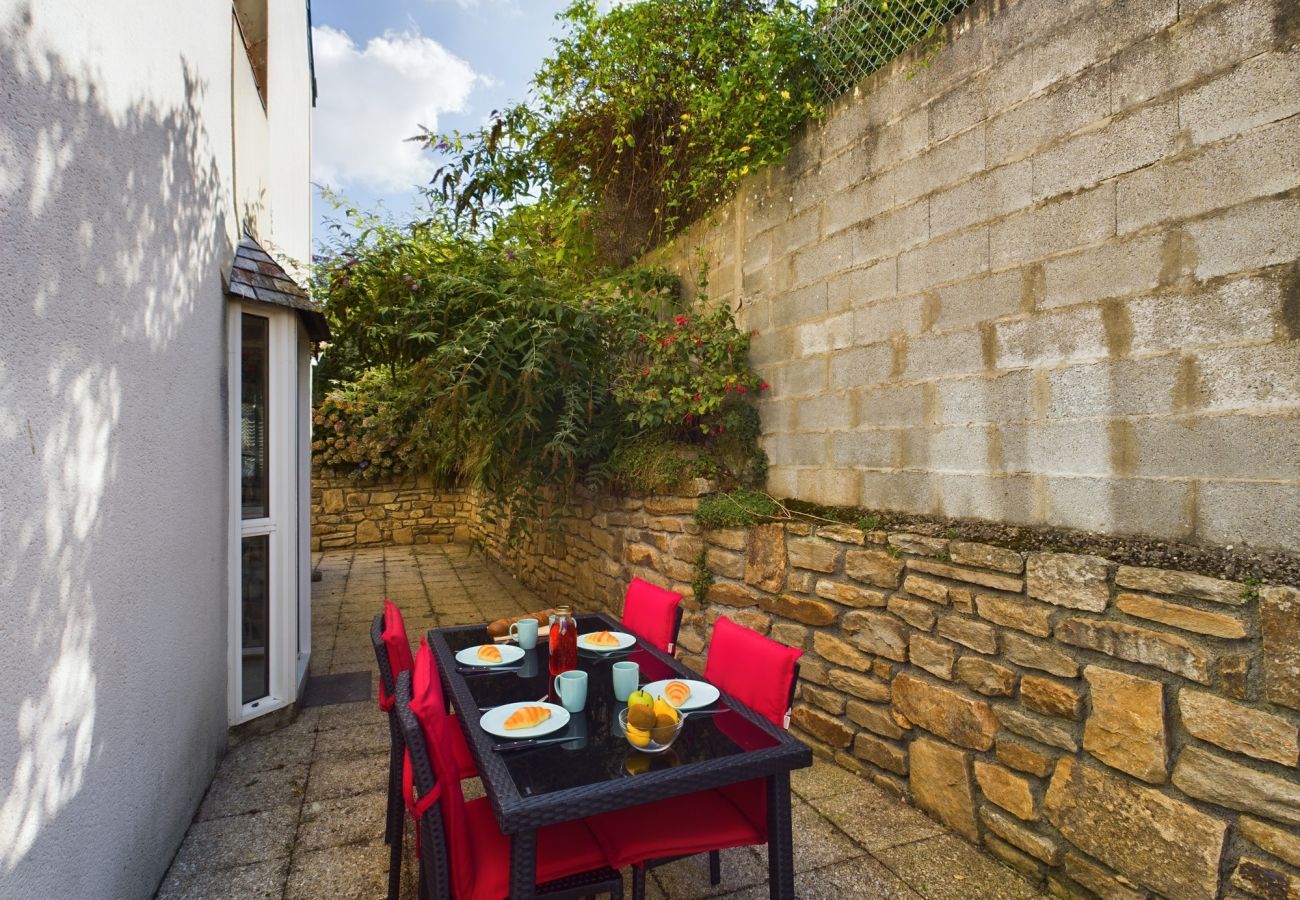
{"type": "Point", "coordinates": [763, 386]}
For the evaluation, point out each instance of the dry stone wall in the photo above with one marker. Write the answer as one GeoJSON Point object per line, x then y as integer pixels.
{"type": "Point", "coordinates": [346, 512]}
{"type": "Point", "coordinates": [1114, 730]}
{"type": "Point", "coordinates": [1048, 278]}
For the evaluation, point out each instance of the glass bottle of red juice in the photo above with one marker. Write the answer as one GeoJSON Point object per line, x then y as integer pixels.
{"type": "Point", "coordinates": [564, 642]}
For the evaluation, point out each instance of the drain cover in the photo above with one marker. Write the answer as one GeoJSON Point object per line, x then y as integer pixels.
{"type": "Point", "coordinates": [345, 687]}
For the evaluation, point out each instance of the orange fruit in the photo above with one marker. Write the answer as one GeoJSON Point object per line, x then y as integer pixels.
{"type": "Point", "coordinates": [641, 717]}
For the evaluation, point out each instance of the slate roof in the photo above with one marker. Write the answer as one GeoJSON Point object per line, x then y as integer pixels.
{"type": "Point", "coordinates": [254, 275]}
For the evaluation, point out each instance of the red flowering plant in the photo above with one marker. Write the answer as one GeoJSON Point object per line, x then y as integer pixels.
{"type": "Point", "coordinates": [689, 377]}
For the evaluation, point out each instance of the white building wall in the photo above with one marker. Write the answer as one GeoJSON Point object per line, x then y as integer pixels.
{"type": "Point", "coordinates": [117, 217]}
{"type": "Point", "coordinates": [273, 144]}
{"type": "Point", "coordinates": [289, 131]}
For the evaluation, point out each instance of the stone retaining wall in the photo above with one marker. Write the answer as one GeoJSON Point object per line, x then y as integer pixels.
{"type": "Point", "coordinates": [346, 512]}
{"type": "Point", "coordinates": [1115, 730]}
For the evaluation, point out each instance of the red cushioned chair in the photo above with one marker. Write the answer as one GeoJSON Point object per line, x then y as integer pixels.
{"type": "Point", "coordinates": [759, 673]}
{"type": "Point", "coordinates": [653, 613]}
{"type": "Point", "coordinates": [762, 674]}
{"type": "Point", "coordinates": [393, 656]}
{"type": "Point", "coordinates": [463, 853]}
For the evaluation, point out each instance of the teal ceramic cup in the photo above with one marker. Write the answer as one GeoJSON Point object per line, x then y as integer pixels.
{"type": "Point", "coordinates": [571, 688]}
{"type": "Point", "coordinates": [626, 679]}
{"type": "Point", "coordinates": [525, 632]}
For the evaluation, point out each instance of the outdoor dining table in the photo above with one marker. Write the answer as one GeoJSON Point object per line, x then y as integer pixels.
{"type": "Point", "coordinates": [597, 770]}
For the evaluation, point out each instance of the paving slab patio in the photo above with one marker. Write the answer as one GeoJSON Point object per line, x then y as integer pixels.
{"type": "Point", "coordinates": [299, 813]}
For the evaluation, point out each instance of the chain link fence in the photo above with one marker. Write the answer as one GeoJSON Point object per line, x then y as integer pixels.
{"type": "Point", "coordinates": [857, 37]}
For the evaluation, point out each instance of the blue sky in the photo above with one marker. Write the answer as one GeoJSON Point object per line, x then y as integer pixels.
{"type": "Point", "coordinates": [385, 67]}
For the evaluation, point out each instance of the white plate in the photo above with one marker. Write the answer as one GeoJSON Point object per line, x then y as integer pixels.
{"type": "Point", "coordinates": [492, 721]}
{"type": "Point", "coordinates": [624, 641]}
{"type": "Point", "coordinates": [702, 693]}
{"type": "Point", "coordinates": [509, 654]}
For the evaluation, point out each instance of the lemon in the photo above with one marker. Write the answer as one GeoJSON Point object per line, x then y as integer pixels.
{"type": "Point", "coordinates": [638, 737]}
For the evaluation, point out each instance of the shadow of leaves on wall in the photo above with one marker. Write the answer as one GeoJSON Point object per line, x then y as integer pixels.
{"type": "Point", "coordinates": [112, 472]}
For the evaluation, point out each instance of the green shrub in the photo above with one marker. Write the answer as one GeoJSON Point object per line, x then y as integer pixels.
{"type": "Point", "coordinates": [690, 376]}
{"type": "Point", "coordinates": [651, 464]}
{"type": "Point", "coordinates": [736, 508]}
{"type": "Point", "coordinates": [512, 375]}
{"type": "Point", "coordinates": [644, 116]}
{"type": "Point", "coordinates": [353, 430]}
{"type": "Point", "coordinates": [701, 577]}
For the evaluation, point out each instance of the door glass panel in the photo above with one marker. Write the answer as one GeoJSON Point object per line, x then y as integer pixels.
{"type": "Point", "coordinates": [255, 618]}
{"type": "Point", "coordinates": [253, 442]}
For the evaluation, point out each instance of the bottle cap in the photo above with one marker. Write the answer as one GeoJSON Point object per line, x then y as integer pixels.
{"type": "Point", "coordinates": [562, 610]}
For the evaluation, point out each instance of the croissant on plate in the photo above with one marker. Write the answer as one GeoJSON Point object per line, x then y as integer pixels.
{"type": "Point", "coordinates": [676, 692]}
{"type": "Point", "coordinates": [602, 639]}
{"type": "Point", "coordinates": [526, 717]}
{"type": "Point", "coordinates": [489, 653]}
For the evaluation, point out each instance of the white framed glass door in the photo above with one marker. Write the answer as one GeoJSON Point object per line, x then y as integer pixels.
{"type": "Point", "coordinates": [267, 658]}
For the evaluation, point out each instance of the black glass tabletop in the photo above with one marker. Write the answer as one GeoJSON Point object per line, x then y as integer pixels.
{"type": "Point", "coordinates": [595, 751]}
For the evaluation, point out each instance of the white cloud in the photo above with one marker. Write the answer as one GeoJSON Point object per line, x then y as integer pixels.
{"type": "Point", "coordinates": [372, 99]}
{"type": "Point", "coordinates": [475, 4]}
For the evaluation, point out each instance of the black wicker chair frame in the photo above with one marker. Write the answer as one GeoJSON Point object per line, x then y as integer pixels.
{"type": "Point", "coordinates": [396, 815]}
{"type": "Point", "coordinates": [435, 871]}
{"type": "Point", "coordinates": [527, 813]}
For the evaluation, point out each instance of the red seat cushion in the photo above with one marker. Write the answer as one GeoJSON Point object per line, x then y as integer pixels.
{"type": "Point", "coordinates": [479, 852]}
{"type": "Point", "coordinates": [678, 826]}
{"type": "Point", "coordinates": [464, 760]}
{"type": "Point", "coordinates": [750, 797]}
{"type": "Point", "coordinates": [398, 647]}
{"type": "Point", "coordinates": [650, 612]}
{"type": "Point", "coordinates": [465, 765]}
{"type": "Point", "coordinates": [562, 850]}
{"type": "Point", "coordinates": [754, 669]}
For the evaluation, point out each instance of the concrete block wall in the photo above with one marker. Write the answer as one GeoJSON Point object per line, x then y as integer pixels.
{"type": "Point", "coordinates": [1050, 278]}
